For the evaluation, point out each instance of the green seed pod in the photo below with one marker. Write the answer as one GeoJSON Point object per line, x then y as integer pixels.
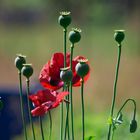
{"type": "Point", "coordinates": [119, 36]}
{"type": "Point", "coordinates": [133, 126]}
{"type": "Point", "coordinates": [82, 68]}
{"type": "Point", "coordinates": [66, 74]}
{"type": "Point", "coordinates": [1, 104]}
{"type": "Point", "coordinates": [74, 35]}
{"type": "Point", "coordinates": [19, 61]}
{"type": "Point", "coordinates": [64, 19]}
{"type": "Point", "coordinates": [27, 70]}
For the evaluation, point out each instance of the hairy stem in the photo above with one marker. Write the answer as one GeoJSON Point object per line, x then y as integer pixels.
{"type": "Point", "coordinates": [50, 136]}
{"type": "Point", "coordinates": [41, 127]}
{"type": "Point", "coordinates": [83, 112]}
{"type": "Point", "coordinates": [67, 118]}
{"type": "Point", "coordinates": [21, 105]}
{"type": "Point", "coordinates": [71, 96]}
{"type": "Point", "coordinates": [29, 109]}
{"type": "Point", "coordinates": [114, 91]}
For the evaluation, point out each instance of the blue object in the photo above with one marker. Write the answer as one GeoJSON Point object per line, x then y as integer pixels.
{"type": "Point", "coordinates": [10, 116]}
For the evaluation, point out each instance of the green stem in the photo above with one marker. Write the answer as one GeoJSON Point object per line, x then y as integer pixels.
{"type": "Point", "coordinates": [114, 90]}
{"type": "Point", "coordinates": [62, 106]}
{"type": "Point", "coordinates": [41, 127]}
{"type": "Point", "coordinates": [29, 109]}
{"type": "Point", "coordinates": [133, 101]}
{"type": "Point", "coordinates": [71, 97]}
{"type": "Point", "coordinates": [121, 110]}
{"type": "Point", "coordinates": [83, 114]}
{"type": "Point", "coordinates": [67, 119]}
{"type": "Point", "coordinates": [65, 46]}
{"type": "Point", "coordinates": [61, 121]}
{"type": "Point", "coordinates": [21, 105]}
{"type": "Point", "coordinates": [112, 134]}
{"type": "Point", "coordinates": [50, 125]}
{"type": "Point", "coordinates": [68, 131]}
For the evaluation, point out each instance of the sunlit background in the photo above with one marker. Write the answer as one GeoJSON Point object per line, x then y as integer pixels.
{"type": "Point", "coordinates": [30, 27]}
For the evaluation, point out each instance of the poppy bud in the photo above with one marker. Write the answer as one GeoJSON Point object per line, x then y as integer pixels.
{"type": "Point", "coordinates": [66, 74]}
{"type": "Point", "coordinates": [133, 126]}
{"type": "Point", "coordinates": [27, 70]}
{"type": "Point", "coordinates": [82, 68]}
{"type": "Point", "coordinates": [119, 36]}
{"type": "Point", "coordinates": [74, 35]}
{"type": "Point", "coordinates": [64, 19]}
{"type": "Point", "coordinates": [19, 61]}
{"type": "Point", "coordinates": [1, 104]}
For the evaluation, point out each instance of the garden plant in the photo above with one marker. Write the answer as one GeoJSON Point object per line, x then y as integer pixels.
{"type": "Point", "coordinates": [58, 77]}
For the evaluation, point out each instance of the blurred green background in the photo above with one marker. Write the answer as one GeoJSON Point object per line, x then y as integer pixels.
{"type": "Point", "coordinates": [30, 27]}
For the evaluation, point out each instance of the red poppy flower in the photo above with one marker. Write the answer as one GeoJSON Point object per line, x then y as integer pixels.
{"type": "Point", "coordinates": [50, 74]}
{"type": "Point", "coordinates": [45, 100]}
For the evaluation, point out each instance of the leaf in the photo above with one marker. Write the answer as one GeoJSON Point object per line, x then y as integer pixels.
{"type": "Point", "coordinates": [119, 119]}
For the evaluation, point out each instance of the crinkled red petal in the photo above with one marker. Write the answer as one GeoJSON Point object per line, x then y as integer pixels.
{"type": "Point", "coordinates": [59, 98]}
{"type": "Point", "coordinates": [39, 111]}
{"type": "Point", "coordinates": [58, 60]}
{"type": "Point", "coordinates": [35, 100]}
{"type": "Point", "coordinates": [50, 73]}
{"type": "Point", "coordinates": [45, 96]}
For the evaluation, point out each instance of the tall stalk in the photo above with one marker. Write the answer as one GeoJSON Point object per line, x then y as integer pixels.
{"type": "Point", "coordinates": [71, 96]}
{"type": "Point", "coordinates": [64, 20]}
{"type": "Point", "coordinates": [29, 109]}
{"type": "Point", "coordinates": [114, 91]}
{"type": "Point", "coordinates": [62, 105]}
{"type": "Point", "coordinates": [41, 127]}
{"type": "Point", "coordinates": [83, 113]}
{"type": "Point", "coordinates": [50, 117]}
{"type": "Point", "coordinates": [65, 46]}
{"type": "Point", "coordinates": [67, 118]}
{"type": "Point", "coordinates": [21, 105]}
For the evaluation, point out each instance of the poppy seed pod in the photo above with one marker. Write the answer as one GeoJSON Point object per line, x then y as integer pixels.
{"type": "Point", "coordinates": [74, 35]}
{"type": "Point", "coordinates": [27, 70]}
{"type": "Point", "coordinates": [119, 36]}
{"type": "Point", "coordinates": [133, 126]}
{"type": "Point", "coordinates": [82, 68]}
{"type": "Point", "coordinates": [1, 104]}
{"type": "Point", "coordinates": [19, 61]}
{"type": "Point", "coordinates": [66, 74]}
{"type": "Point", "coordinates": [64, 19]}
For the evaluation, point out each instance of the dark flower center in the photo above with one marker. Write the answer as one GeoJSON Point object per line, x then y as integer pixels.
{"type": "Point", "coordinates": [54, 82]}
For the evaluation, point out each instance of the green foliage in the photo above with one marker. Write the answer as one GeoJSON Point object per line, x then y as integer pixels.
{"type": "Point", "coordinates": [95, 124]}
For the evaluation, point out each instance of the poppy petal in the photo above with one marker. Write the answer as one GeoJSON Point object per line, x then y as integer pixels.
{"type": "Point", "coordinates": [45, 96]}
{"type": "Point", "coordinates": [59, 98]}
{"type": "Point", "coordinates": [50, 74]}
{"type": "Point", "coordinates": [39, 111]}
{"type": "Point", "coordinates": [35, 100]}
